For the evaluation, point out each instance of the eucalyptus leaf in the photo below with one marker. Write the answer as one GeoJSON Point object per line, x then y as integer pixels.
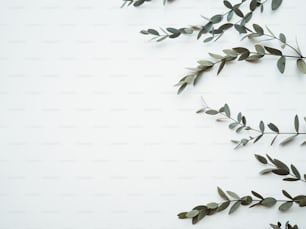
{"type": "Point", "coordinates": [268, 202]}
{"type": "Point", "coordinates": [285, 206]}
{"type": "Point", "coordinates": [281, 64]}
{"type": "Point", "coordinates": [301, 65]}
{"type": "Point", "coordinates": [234, 207]}
{"type": "Point", "coordinates": [276, 4]}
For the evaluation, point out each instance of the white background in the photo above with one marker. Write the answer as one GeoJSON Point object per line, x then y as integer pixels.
{"type": "Point", "coordinates": [93, 134]}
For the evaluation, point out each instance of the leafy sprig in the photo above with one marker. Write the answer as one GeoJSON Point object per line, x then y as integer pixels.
{"type": "Point", "coordinates": [213, 27]}
{"type": "Point", "coordinates": [244, 54]}
{"type": "Point", "coordinates": [286, 226]}
{"type": "Point", "coordinates": [280, 168]}
{"type": "Point", "coordinates": [233, 201]}
{"type": "Point", "coordinates": [238, 124]}
{"type": "Point", "coordinates": [137, 3]}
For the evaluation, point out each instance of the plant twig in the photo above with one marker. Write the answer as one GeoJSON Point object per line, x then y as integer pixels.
{"type": "Point", "coordinates": [210, 28]}
{"type": "Point", "coordinates": [278, 167]}
{"type": "Point", "coordinates": [244, 54]}
{"type": "Point", "coordinates": [234, 201]}
{"type": "Point", "coordinates": [240, 123]}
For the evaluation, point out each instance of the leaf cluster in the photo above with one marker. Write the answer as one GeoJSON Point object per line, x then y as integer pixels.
{"type": "Point", "coordinates": [216, 25]}
{"type": "Point", "coordinates": [238, 123]}
{"type": "Point", "coordinates": [243, 54]}
{"type": "Point", "coordinates": [280, 168]}
{"type": "Point", "coordinates": [233, 201]}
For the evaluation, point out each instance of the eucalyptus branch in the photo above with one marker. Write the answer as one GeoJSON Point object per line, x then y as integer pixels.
{"type": "Point", "coordinates": [259, 32]}
{"type": "Point", "coordinates": [235, 201]}
{"type": "Point", "coordinates": [210, 28]}
{"type": "Point", "coordinates": [244, 54]}
{"type": "Point", "coordinates": [239, 124]}
{"type": "Point", "coordinates": [287, 226]}
{"type": "Point", "coordinates": [137, 3]}
{"type": "Point", "coordinates": [280, 168]}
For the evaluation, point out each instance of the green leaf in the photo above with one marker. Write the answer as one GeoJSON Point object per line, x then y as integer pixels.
{"type": "Point", "coordinates": [301, 65]}
{"type": "Point", "coordinates": [259, 49]}
{"type": "Point", "coordinates": [138, 3]}
{"type": "Point", "coordinates": [273, 128]}
{"type": "Point", "coordinates": [247, 18]}
{"type": "Point", "coordinates": [240, 29]}
{"type": "Point", "coordinates": [268, 202]}
{"type": "Point", "coordinates": [276, 4]}
{"type": "Point", "coordinates": [272, 142]}
{"type": "Point", "coordinates": [254, 58]}
{"type": "Point", "coordinates": [290, 179]}
{"type": "Point", "coordinates": [274, 226]}
{"type": "Point", "coordinates": [234, 195]}
{"type": "Point", "coordinates": [225, 26]}
{"type": "Point", "coordinates": [239, 117]}
{"type": "Point", "coordinates": [279, 164]}
{"type": "Point", "coordinates": [222, 194]}
{"type": "Point", "coordinates": [205, 63]}
{"type": "Point", "coordinates": [230, 15]}
{"type": "Point", "coordinates": [285, 206]}
{"type": "Point", "coordinates": [295, 172]}
{"type": "Point", "coordinates": [257, 195]}
{"type": "Point", "coordinates": [192, 213]}
{"type": "Point", "coordinates": [253, 5]}
{"type": "Point", "coordinates": [223, 206]}
{"type": "Point", "coordinates": [202, 214]}
{"type": "Point", "coordinates": [261, 159]}
{"type": "Point", "coordinates": [227, 111]}
{"type": "Point", "coordinates": [153, 32]}
{"type": "Point", "coordinates": [216, 19]}
{"type": "Point", "coordinates": [258, 138]}
{"type": "Point", "coordinates": [182, 215]}
{"type": "Point", "coordinates": [174, 35]}
{"type": "Point", "coordinates": [182, 87]}
{"type": "Point", "coordinates": [215, 56]}
{"type": "Point", "coordinates": [240, 49]}
{"type": "Point", "coordinates": [173, 30]}
{"type": "Point", "coordinates": [221, 66]}
{"type": "Point", "coordinates": [234, 207]}
{"type": "Point", "coordinates": [212, 205]}
{"type": "Point", "coordinates": [262, 127]}
{"type": "Point", "coordinates": [296, 123]}
{"type": "Point", "coordinates": [266, 171]}
{"type": "Point", "coordinates": [281, 172]}
{"type": "Point", "coordinates": [238, 12]}
{"type": "Point", "coordinates": [283, 39]}
{"type": "Point", "coordinates": [273, 51]}
{"type": "Point", "coordinates": [281, 64]}
{"type": "Point", "coordinates": [228, 4]}
{"type": "Point", "coordinates": [259, 30]}
{"type": "Point", "coordinates": [211, 112]}
{"type": "Point", "coordinates": [208, 39]}
{"type": "Point", "coordinates": [244, 56]}
{"type": "Point", "coordinates": [287, 194]}
{"type": "Point", "coordinates": [230, 52]}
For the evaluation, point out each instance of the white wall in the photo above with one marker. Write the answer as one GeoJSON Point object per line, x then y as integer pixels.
{"type": "Point", "coordinates": [93, 134]}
